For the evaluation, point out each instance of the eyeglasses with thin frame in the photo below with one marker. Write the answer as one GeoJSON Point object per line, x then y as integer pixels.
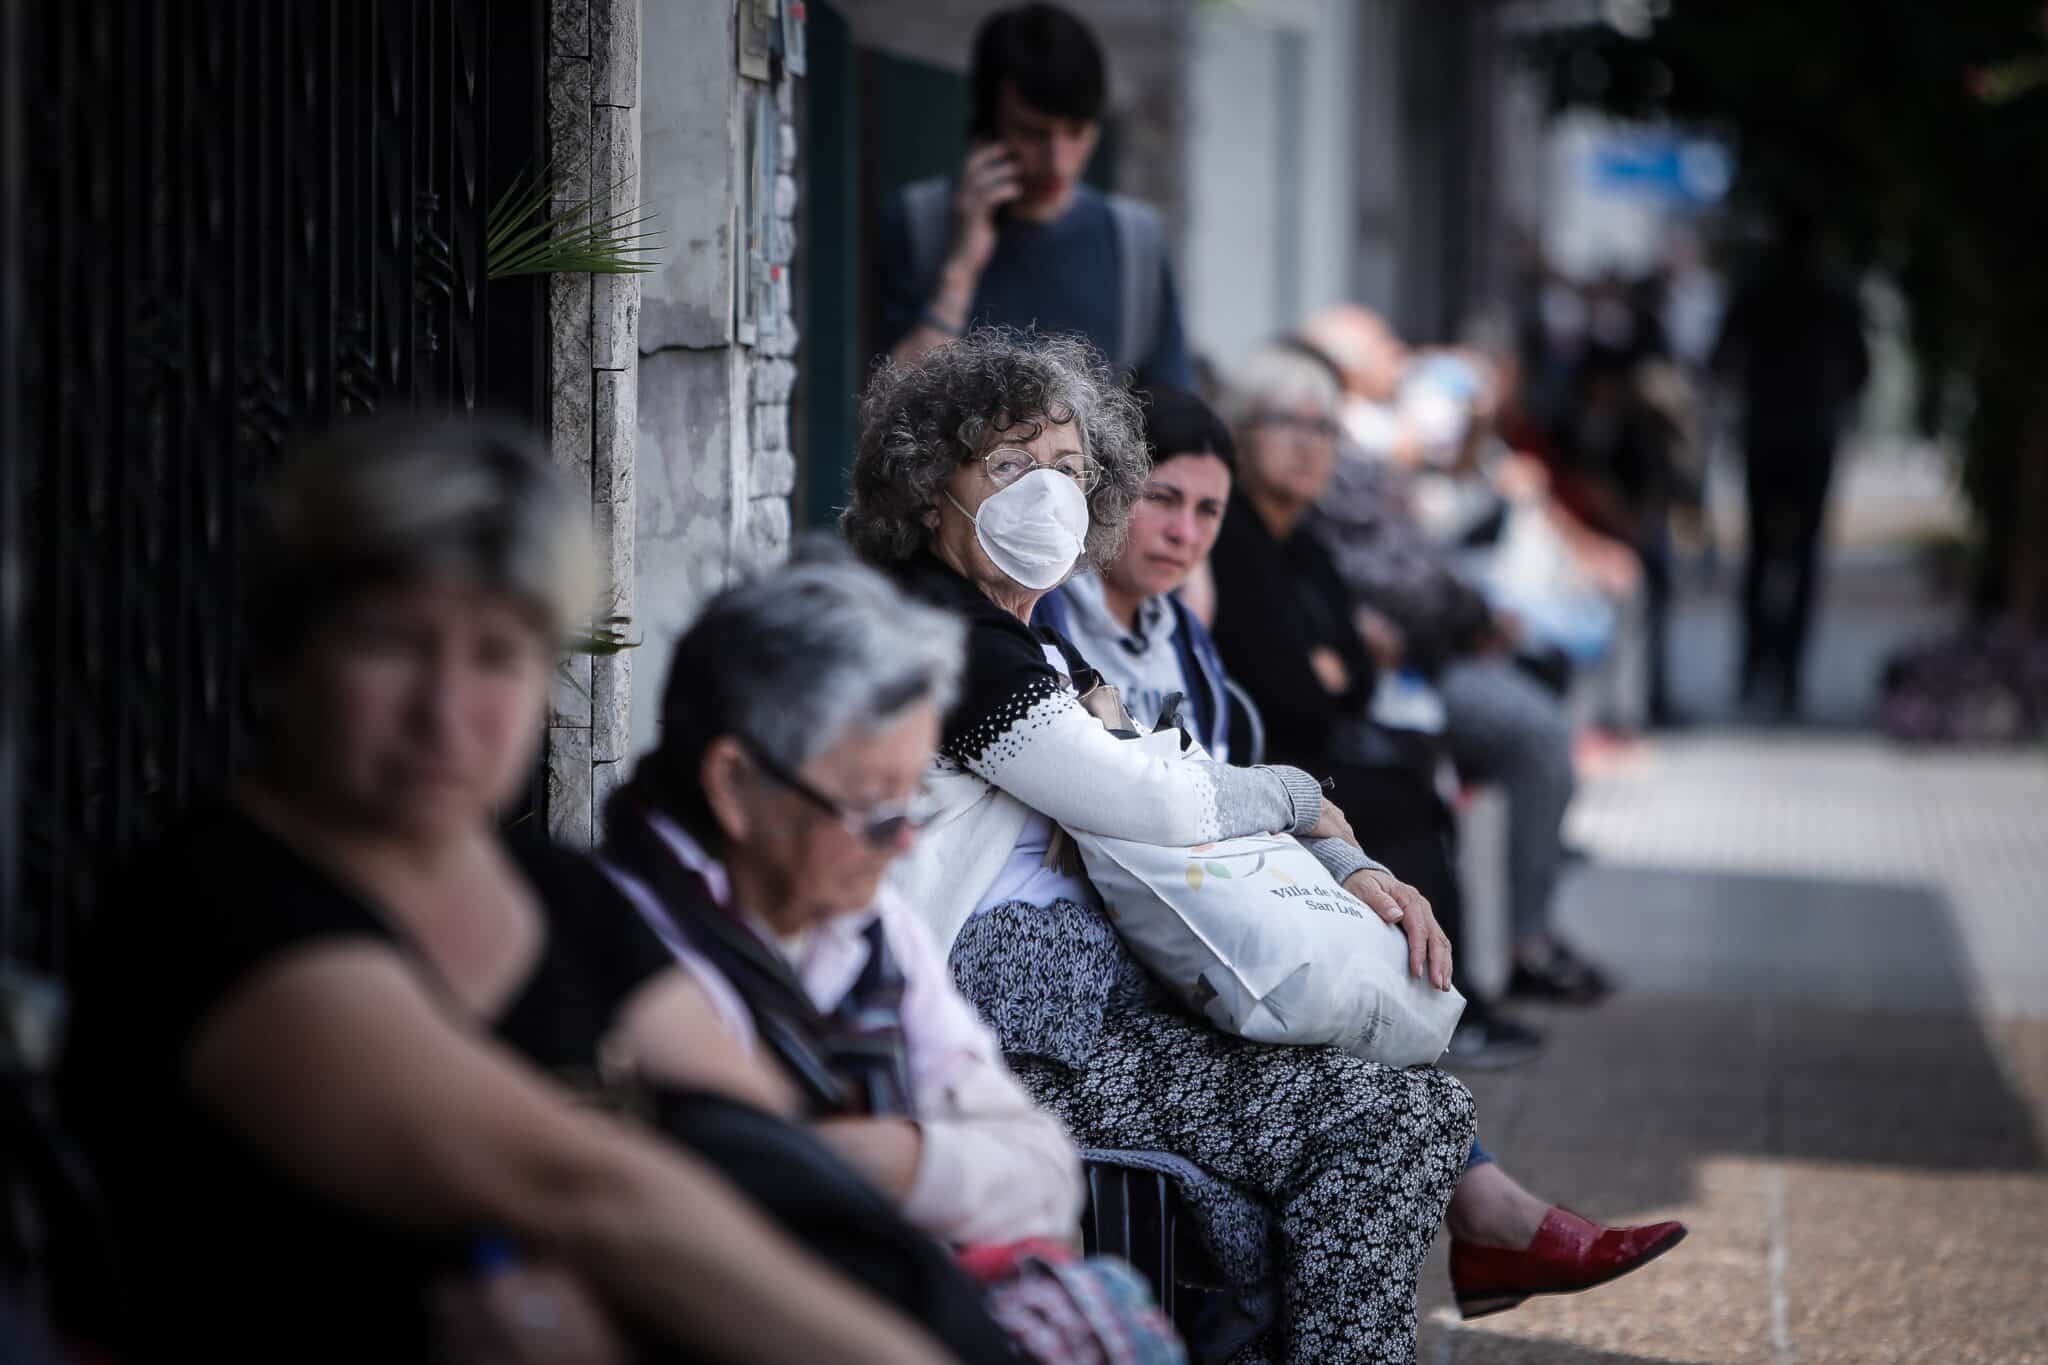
{"type": "Point", "coordinates": [880, 826]}
{"type": "Point", "coordinates": [1007, 464]}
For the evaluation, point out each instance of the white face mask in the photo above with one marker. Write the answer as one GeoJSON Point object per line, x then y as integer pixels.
{"type": "Point", "coordinates": [1033, 530]}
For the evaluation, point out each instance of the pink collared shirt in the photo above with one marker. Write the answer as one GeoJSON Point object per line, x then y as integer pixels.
{"type": "Point", "coordinates": [994, 1167]}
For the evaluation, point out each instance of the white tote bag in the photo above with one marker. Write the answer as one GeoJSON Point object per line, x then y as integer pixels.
{"type": "Point", "coordinates": [1254, 935]}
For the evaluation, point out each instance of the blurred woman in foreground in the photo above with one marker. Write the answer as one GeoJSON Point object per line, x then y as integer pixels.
{"type": "Point", "coordinates": [314, 1092]}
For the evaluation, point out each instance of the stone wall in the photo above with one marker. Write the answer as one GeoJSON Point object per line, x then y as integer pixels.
{"type": "Point", "coordinates": [594, 133]}
{"type": "Point", "coordinates": [715, 469]}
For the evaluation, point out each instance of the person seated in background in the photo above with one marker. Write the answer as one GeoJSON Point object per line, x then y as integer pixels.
{"type": "Point", "coordinates": [1435, 491]}
{"type": "Point", "coordinates": [800, 714]}
{"type": "Point", "coordinates": [1017, 239]}
{"type": "Point", "coordinates": [1593, 597]}
{"type": "Point", "coordinates": [983, 475]}
{"type": "Point", "coordinates": [328, 1024]}
{"type": "Point", "coordinates": [1504, 1240]}
{"type": "Point", "coordinates": [1318, 688]}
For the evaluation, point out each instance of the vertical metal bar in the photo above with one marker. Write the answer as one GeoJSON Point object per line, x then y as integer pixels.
{"type": "Point", "coordinates": [312, 170]}
{"type": "Point", "coordinates": [289, 189]}
{"type": "Point", "coordinates": [1162, 1203]}
{"type": "Point", "coordinates": [62, 475]}
{"type": "Point", "coordinates": [1127, 1238]}
{"type": "Point", "coordinates": [397, 215]}
{"type": "Point", "coordinates": [124, 192]}
{"type": "Point", "coordinates": [229, 281]}
{"type": "Point", "coordinates": [215, 283]}
{"type": "Point", "coordinates": [430, 194]}
{"type": "Point", "coordinates": [17, 436]}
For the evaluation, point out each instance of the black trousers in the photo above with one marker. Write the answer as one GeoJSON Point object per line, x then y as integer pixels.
{"type": "Point", "coordinates": [1788, 498]}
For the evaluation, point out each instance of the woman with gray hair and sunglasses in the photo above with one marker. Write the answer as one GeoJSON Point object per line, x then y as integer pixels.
{"type": "Point", "coordinates": [348, 1081]}
{"type": "Point", "coordinates": [985, 474]}
{"type": "Point", "coordinates": [800, 715]}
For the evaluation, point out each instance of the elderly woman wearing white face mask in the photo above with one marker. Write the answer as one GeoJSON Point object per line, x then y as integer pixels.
{"type": "Point", "coordinates": [985, 474]}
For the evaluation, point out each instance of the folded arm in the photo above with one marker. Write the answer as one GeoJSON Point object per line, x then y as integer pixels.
{"type": "Point", "coordinates": [1059, 760]}
{"type": "Point", "coordinates": [334, 1062]}
{"type": "Point", "coordinates": [994, 1167]}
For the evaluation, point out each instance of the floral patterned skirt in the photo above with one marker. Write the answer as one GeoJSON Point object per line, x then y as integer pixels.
{"type": "Point", "coordinates": [1356, 1161]}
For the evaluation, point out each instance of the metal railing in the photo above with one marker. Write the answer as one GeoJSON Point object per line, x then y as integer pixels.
{"type": "Point", "coordinates": [244, 217]}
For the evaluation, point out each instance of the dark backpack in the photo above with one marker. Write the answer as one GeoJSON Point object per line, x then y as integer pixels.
{"type": "Point", "coordinates": [831, 1211]}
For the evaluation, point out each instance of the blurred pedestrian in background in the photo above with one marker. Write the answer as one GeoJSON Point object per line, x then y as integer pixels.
{"type": "Point", "coordinates": [1793, 344]}
{"type": "Point", "coordinates": [1016, 239]}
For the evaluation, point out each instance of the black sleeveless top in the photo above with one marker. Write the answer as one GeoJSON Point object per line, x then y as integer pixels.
{"type": "Point", "coordinates": [223, 1256]}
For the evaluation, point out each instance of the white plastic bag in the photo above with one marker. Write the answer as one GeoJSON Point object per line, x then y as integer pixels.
{"type": "Point", "coordinates": [1254, 935]}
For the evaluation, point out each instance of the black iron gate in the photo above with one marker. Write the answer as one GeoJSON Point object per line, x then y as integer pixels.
{"type": "Point", "coordinates": [236, 217]}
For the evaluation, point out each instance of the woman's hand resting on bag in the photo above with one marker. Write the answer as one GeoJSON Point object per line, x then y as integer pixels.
{"type": "Point", "coordinates": [1396, 902]}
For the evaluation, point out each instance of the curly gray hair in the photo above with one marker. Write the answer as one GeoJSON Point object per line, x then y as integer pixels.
{"type": "Point", "coordinates": [920, 422]}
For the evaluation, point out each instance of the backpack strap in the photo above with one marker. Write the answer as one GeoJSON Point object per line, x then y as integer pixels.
{"type": "Point", "coordinates": [1141, 261]}
{"type": "Point", "coordinates": [927, 205]}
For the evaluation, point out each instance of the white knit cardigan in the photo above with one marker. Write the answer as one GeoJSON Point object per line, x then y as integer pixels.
{"type": "Point", "coordinates": [1019, 741]}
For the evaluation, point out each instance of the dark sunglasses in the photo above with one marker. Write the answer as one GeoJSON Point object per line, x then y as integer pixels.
{"type": "Point", "coordinates": [881, 826]}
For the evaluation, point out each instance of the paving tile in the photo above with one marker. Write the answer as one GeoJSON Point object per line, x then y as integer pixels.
{"type": "Point", "coordinates": [1891, 1265]}
{"type": "Point", "coordinates": [1831, 1055]}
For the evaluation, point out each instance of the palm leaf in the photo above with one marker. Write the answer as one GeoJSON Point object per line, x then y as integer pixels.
{"type": "Point", "coordinates": [603, 637]}
{"type": "Point", "coordinates": [525, 234]}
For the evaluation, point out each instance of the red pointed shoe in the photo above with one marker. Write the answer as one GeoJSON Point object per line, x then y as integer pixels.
{"type": "Point", "coordinates": [1569, 1254]}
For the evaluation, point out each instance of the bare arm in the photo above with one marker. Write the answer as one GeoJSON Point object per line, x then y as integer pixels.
{"type": "Point", "coordinates": [993, 1166]}
{"type": "Point", "coordinates": [333, 1062]}
{"type": "Point", "coordinates": [987, 182]}
{"type": "Point", "coordinates": [950, 303]}
{"type": "Point", "coordinates": [669, 1029]}
{"type": "Point", "coordinates": [885, 1150]}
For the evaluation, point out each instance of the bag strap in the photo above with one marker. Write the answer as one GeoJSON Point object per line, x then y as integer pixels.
{"type": "Point", "coordinates": [1141, 259]}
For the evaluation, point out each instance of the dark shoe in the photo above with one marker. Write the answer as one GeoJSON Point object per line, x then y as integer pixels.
{"type": "Point", "coordinates": [1569, 1254]}
{"type": "Point", "coordinates": [1566, 979]}
{"type": "Point", "coordinates": [1667, 717]}
{"type": "Point", "coordinates": [1485, 1041]}
{"type": "Point", "coordinates": [1563, 954]}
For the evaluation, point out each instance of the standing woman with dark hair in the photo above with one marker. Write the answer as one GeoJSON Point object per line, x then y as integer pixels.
{"type": "Point", "coordinates": [327, 1027]}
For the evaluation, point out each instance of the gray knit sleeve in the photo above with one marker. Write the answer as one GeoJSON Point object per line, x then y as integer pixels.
{"type": "Point", "coordinates": [1341, 860]}
{"type": "Point", "coordinates": [1304, 796]}
{"type": "Point", "coordinates": [1250, 800]}
{"type": "Point", "coordinates": [1265, 800]}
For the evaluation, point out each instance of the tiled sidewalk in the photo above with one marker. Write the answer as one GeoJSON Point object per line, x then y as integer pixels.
{"type": "Point", "coordinates": [1832, 1056]}
{"type": "Point", "coordinates": [1967, 830]}
{"type": "Point", "coordinates": [1832, 1061]}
